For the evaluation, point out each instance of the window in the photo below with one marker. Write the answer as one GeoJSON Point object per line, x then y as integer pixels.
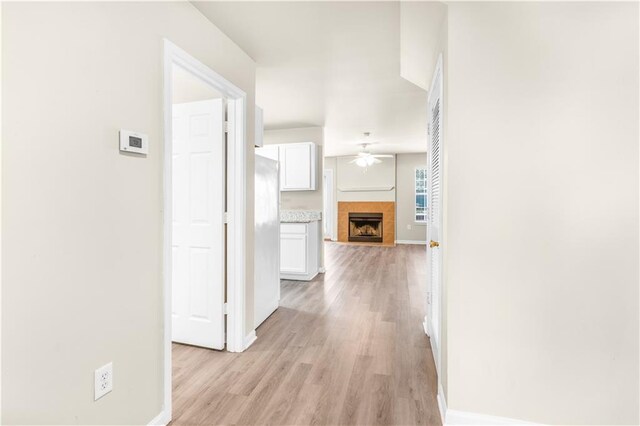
{"type": "Point", "coordinates": [421, 195]}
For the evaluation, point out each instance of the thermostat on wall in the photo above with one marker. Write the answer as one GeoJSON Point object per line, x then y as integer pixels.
{"type": "Point", "coordinates": [134, 142]}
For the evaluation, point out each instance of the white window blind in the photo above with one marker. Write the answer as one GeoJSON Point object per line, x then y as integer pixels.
{"type": "Point", "coordinates": [421, 195]}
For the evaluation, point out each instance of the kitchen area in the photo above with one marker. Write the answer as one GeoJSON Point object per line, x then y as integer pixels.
{"type": "Point", "coordinates": [288, 211]}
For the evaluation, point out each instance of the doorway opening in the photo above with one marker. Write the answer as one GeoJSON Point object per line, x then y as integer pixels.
{"type": "Point", "coordinates": [199, 203]}
{"type": "Point", "coordinates": [204, 186]}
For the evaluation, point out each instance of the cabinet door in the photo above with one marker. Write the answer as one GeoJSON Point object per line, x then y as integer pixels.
{"type": "Point", "coordinates": [296, 167]}
{"type": "Point", "coordinates": [293, 253]}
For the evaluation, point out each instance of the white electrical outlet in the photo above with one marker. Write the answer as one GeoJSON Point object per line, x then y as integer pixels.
{"type": "Point", "coordinates": [103, 377]}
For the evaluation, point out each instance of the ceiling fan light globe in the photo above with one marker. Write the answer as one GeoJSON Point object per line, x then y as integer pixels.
{"type": "Point", "coordinates": [370, 160]}
{"type": "Point", "coordinates": [362, 162]}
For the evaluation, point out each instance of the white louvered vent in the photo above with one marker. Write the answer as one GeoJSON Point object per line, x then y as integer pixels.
{"type": "Point", "coordinates": [434, 196]}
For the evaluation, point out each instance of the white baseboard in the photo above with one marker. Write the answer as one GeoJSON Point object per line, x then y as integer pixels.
{"type": "Point", "coordinates": [442, 404]}
{"type": "Point", "coordinates": [422, 243]}
{"type": "Point", "coordinates": [161, 419]}
{"type": "Point", "coordinates": [249, 339]}
{"type": "Point", "coordinates": [456, 417]}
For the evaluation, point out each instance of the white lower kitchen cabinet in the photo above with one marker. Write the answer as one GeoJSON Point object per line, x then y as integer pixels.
{"type": "Point", "coordinates": [299, 250]}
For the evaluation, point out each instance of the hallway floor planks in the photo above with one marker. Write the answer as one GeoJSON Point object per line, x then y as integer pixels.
{"type": "Point", "coordinates": [346, 348]}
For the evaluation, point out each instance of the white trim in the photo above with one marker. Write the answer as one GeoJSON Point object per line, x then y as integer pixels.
{"type": "Point", "coordinates": [423, 243]}
{"type": "Point", "coordinates": [0, 208]}
{"type": "Point", "coordinates": [249, 339]}
{"type": "Point", "coordinates": [366, 188]}
{"type": "Point", "coordinates": [329, 220]}
{"type": "Point", "coordinates": [456, 417]}
{"type": "Point", "coordinates": [321, 270]}
{"type": "Point", "coordinates": [442, 403]}
{"type": "Point", "coordinates": [236, 205]}
{"type": "Point", "coordinates": [425, 327]}
{"type": "Point", "coordinates": [161, 419]}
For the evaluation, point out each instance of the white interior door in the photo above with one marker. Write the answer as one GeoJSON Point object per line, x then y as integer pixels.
{"type": "Point", "coordinates": [198, 178]}
{"type": "Point", "coordinates": [434, 200]}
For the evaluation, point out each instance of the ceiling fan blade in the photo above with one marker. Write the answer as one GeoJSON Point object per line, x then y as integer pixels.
{"type": "Point", "coordinates": [376, 161]}
{"type": "Point", "coordinates": [383, 156]}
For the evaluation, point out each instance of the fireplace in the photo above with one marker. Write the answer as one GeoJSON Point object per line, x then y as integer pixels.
{"type": "Point", "coordinates": [365, 227]}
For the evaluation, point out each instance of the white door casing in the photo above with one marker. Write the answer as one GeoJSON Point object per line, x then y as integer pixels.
{"type": "Point", "coordinates": [198, 194]}
{"type": "Point", "coordinates": [328, 204]}
{"type": "Point", "coordinates": [434, 209]}
{"type": "Point", "coordinates": [236, 184]}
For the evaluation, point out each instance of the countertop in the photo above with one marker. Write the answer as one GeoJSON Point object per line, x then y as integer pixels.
{"type": "Point", "coordinates": [300, 216]}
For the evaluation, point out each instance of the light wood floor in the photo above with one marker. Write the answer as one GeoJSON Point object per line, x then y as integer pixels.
{"type": "Point", "coordinates": [347, 348]}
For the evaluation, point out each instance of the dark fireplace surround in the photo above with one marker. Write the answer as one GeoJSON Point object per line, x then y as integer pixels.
{"type": "Point", "coordinates": [365, 227]}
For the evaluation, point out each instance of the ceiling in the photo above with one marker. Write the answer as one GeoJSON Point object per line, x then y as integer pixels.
{"type": "Point", "coordinates": [330, 64]}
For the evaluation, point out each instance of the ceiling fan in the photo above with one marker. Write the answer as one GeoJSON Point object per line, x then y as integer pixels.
{"type": "Point", "coordinates": [365, 158]}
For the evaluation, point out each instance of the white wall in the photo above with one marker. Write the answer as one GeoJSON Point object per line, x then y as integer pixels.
{"type": "Point", "coordinates": [351, 178]}
{"type": "Point", "coordinates": [542, 216]}
{"type": "Point", "coordinates": [406, 165]}
{"type": "Point", "coordinates": [420, 24]}
{"type": "Point", "coordinates": [82, 223]}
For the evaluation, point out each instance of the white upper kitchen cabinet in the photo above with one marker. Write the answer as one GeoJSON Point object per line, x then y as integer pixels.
{"type": "Point", "coordinates": [298, 166]}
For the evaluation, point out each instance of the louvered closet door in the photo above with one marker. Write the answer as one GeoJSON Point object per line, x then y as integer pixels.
{"type": "Point", "coordinates": [435, 210]}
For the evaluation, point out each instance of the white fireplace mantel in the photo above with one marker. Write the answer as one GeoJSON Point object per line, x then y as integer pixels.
{"type": "Point", "coordinates": [366, 189]}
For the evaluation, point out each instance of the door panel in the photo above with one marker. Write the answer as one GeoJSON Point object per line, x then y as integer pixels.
{"type": "Point", "coordinates": [293, 248]}
{"type": "Point", "coordinates": [198, 178]}
{"type": "Point", "coordinates": [295, 160]}
{"type": "Point", "coordinates": [434, 212]}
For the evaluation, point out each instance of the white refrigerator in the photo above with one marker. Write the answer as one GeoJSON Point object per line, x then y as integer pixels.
{"type": "Point", "coordinates": [267, 239]}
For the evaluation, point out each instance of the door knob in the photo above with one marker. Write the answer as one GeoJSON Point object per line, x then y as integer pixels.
{"type": "Point", "coordinates": [433, 244]}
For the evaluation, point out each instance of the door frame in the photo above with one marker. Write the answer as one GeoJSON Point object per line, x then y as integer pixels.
{"type": "Point", "coordinates": [329, 191]}
{"type": "Point", "coordinates": [437, 86]}
{"type": "Point", "coordinates": [236, 206]}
